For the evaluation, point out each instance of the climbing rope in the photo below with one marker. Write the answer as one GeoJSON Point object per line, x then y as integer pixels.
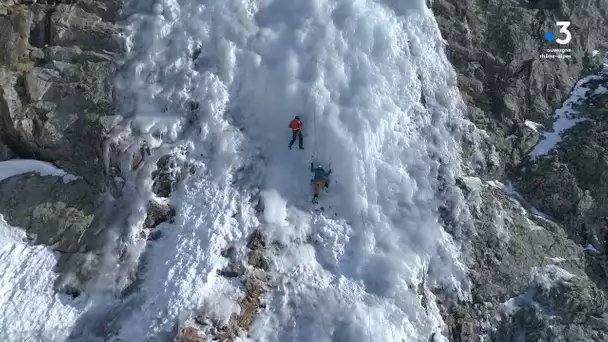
{"type": "Point", "coordinates": [314, 125]}
{"type": "Point", "coordinates": [369, 325]}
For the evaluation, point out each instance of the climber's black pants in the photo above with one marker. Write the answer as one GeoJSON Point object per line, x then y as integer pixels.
{"type": "Point", "coordinates": [296, 133]}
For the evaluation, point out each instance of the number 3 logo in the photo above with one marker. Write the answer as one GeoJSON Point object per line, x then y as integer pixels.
{"type": "Point", "coordinates": [563, 25]}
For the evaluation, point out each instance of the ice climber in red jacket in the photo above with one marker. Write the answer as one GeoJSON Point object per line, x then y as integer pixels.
{"type": "Point", "coordinates": [296, 130]}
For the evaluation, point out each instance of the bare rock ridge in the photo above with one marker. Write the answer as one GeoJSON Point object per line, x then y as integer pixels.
{"type": "Point", "coordinates": [529, 262]}
{"type": "Point", "coordinates": [55, 82]}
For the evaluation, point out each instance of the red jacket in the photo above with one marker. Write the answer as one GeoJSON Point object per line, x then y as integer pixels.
{"type": "Point", "coordinates": [295, 124]}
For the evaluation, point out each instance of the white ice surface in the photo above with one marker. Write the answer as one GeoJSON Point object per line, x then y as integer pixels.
{"type": "Point", "coordinates": [29, 308]}
{"type": "Point", "coordinates": [351, 71]}
{"type": "Point", "coordinates": [355, 71]}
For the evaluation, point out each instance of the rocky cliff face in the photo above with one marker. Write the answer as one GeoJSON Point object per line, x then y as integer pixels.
{"type": "Point", "coordinates": [56, 104]}
{"type": "Point", "coordinates": [55, 81]}
{"type": "Point", "coordinates": [496, 47]}
{"type": "Point", "coordinates": [523, 266]}
{"type": "Point", "coordinates": [544, 253]}
{"type": "Point", "coordinates": [571, 184]}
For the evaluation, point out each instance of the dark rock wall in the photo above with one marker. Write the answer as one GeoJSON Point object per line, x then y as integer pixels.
{"type": "Point", "coordinates": [55, 81]}
{"type": "Point", "coordinates": [495, 47]}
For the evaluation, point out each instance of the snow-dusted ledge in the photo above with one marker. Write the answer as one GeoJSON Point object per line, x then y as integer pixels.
{"type": "Point", "coordinates": [16, 167]}
{"type": "Point", "coordinates": [27, 272]}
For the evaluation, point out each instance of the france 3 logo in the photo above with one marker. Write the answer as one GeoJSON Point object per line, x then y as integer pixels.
{"type": "Point", "coordinates": [563, 29]}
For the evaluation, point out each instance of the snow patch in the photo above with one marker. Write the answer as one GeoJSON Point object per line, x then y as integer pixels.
{"type": "Point", "coordinates": [556, 260]}
{"type": "Point", "coordinates": [533, 125]}
{"type": "Point", "coordinates": [600, 90]}
{"type": "Point", "coordinates": [538, 213]}
{"type": "Point", "coordinates": [29, 307]}
{"type": "Point", "coordinates": [496, 184]}
{"type": "Point", "coordinates": [548, 276]}
{"type": "Point", "coordinates": [275, 210]}
{"type": "Point", "coordinates": [475, 184]}
{"type": "Point", "coordinates": [590, 248]}
{"type": "Point", "coordinates": [509, 189]}
{"type": "Point", "coordinates": [563, 119]}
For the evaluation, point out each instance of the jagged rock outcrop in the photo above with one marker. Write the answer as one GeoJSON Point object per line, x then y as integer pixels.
{"type": "Point", "coordinates": [496, 46]}
{"type": "Point", "coordinates": [55, 81]}
{"type": "Point", "coordinates": [557, 307]}
{"type": "Point", "coordinates": [59, 214]}
{"type": "Point", "coordinates": [197, 327]}
{"type": "Point", "coordinates": [571, 183]}
{"type": "Point", "coordinates": [166, 176]}
{"type": "Point", "coordinates": [158, 213]}
{"type": "Point", "coordinates": [5, 152]}
{"type": "Point", "coordinates": [511, 246]}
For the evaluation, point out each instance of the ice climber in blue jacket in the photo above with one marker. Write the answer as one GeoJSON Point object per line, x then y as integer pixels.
{"type": "Point", "coordinates": [321, 178]}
